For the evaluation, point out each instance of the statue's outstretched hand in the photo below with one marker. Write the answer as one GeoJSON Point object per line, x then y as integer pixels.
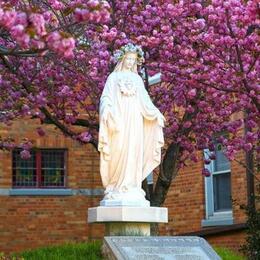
{"type": "Point", "coordinates": [109, 120]}
{"type": "Point", "coordinates": [105, 116]}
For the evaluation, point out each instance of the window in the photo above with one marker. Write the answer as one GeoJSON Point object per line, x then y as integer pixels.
{"type": "Point", "coordinates": [221, 190]}
{"type": "Point", "coordinates": [218, 190]}
{"type": "Point", "coordinates": [45, 169]}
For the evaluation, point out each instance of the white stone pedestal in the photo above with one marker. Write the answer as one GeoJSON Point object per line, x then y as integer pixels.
{"type": "Point", "coordinates": [130, 221]}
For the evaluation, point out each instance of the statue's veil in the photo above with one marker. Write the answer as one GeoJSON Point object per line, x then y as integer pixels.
{"type": "Point", "coordinates": [119, 66]}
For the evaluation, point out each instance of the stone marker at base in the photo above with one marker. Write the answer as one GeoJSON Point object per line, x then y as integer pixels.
{"type": "Point", "coordinates": [127, 221]}
{"type": "Point", "coordinates": [158, 248]}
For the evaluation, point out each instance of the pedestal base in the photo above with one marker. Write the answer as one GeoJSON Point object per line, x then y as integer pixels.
{"type": "Point", "coordinates": [128, 214]}
{"type": "Point", "coordinates": [127, 229]}
{"type": "Point", "coordinates": [127, 221]}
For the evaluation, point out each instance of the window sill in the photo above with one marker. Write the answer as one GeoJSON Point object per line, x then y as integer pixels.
{"type": "Point", "coordinates": [51, 192]}
{"type": "Point", "coordinates": [40, 192]}
{"type": "Point", "coordinates": [218, 219]}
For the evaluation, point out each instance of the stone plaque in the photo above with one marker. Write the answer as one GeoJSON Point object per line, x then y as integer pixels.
{"type": "Point", "coordinates": [158, 248]}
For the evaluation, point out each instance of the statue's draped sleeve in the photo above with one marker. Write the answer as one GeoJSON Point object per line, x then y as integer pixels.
{"type": "Point", "coordinates": [107, 125]}
{"type": "Point", "coordinates": [153, 132]}
{"type": "Point", "coordinates": [105, 110]}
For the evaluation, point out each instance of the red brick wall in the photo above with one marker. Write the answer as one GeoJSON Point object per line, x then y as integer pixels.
{"type": "Point", "coordinates": [239, 188]}
{"type": "Point", "coordinates": [33, 221]}
{"type": "Point", "coordinates": [185, 200]}
{"type": "Point", "coordinates": [232, 240]}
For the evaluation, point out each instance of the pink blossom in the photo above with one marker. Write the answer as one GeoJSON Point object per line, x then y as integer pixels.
{"type": "Point", "coordinates": [8, 18]}
{"type": "Point", "coordinates": [57, 5]}
{"type": "Point", "coordinates": [85, 137]}
{"type": "Point", "coordinates": [25, 109]}
{"type": "Point", "coordinates": [212, 156]}
{"type": "Point", "coordinates": [39, 23]}
{"type": "Point", "coordinates": [205, 172]}
{"type": "Point", "coordinates": [93, 3]}
{"type": "Point", "coordinates": [200, 23]}
{"type": "Point", "coordinates": [170, 7]}
{"type": "Point", "coordinates": [25, 154]}
{"type": "Point", "coordinates": [41, 131]}
{"type": "Point", "coordinates": [19, 34]}
{"type": "Point", "coordinates": [247, 147]}
{"type": "Point", "coordinates": [187, 124]}
{"type": "Point", "coordinates": [64, 46]}
{"type": "Point", "coordinates": [47, 16]}
{"type": "Point", "coordinates": [190, 109]}
{"type": "Point", "coordinates": [22, 19]}
{"type": "Point", "coordinates": [26, 145]}
{"type": "Point", "coordinates": [81, 14]}
{"type": "Point", "coordinates": [192, 93]}
{"type": "Point", "coordinates": [207, 161]}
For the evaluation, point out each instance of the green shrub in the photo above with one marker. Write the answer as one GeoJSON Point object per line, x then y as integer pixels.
{"type": "Point", "coordinates": [252, 246]}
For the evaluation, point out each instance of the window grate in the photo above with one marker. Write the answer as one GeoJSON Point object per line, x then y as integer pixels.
{"type": "Point", "coordinates": [45, 169]}
{"type": "Point", "coordinates": [24, 171]}
{"type": "Point", "coordinates": [52, 168]}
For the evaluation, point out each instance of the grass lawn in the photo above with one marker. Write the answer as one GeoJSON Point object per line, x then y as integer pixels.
{"type": "Point", "coordinates": [227, 254]}
{"type": "Point", "coordinates": [87, 251]}
{"type": "Point", "coordinates": [70, 251]}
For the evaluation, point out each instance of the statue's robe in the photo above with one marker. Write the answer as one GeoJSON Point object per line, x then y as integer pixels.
{"type": "Point", "coordinates": [131, 138]}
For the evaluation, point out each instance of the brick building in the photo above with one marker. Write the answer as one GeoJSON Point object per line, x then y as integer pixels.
{"type": "Point", "coordinates": [44, 200]}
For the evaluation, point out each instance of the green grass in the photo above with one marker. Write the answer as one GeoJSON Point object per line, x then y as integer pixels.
{"type": "Point", "coordinates": [70, 251]}
{"type": "Point", "coordinates": [227, 254]}
{"type": "Point", "coordinates": [88, 251]}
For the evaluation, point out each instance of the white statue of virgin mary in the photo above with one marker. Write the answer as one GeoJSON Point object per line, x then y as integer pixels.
{"type": "Point", "coordinates": [130, 133]}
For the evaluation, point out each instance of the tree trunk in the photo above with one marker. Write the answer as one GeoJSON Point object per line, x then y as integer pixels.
{"type": "Point", "coordinates": [250, 179]}
{"type": "Point", "coordinates": [250, 172]}
{"type": "Point", "coordinates": [145, 187]}
{"type": "Point", "coordinates": [168, 171]}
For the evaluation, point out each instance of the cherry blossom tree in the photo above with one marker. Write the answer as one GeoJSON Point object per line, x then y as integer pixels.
{"type": "Point", "coordinates": [56, 55]}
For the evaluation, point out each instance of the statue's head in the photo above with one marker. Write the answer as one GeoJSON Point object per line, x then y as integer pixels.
{"type": "Point", "coordinates": [128, 57]}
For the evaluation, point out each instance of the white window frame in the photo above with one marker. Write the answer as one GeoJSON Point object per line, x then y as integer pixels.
{"type": "Point", "coordinates": [214, 218]}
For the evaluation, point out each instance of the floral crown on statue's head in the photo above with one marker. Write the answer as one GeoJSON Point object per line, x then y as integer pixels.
{"type": "Point", "coordinates": [129, 47]}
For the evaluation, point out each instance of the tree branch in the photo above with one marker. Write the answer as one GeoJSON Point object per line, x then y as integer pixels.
{"type": "Point", "coordinates": [86, 123]}
{"type": "Point", "coordinates": [28, 53]}
{"type": "Point", "coordinates": [239, 59]}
